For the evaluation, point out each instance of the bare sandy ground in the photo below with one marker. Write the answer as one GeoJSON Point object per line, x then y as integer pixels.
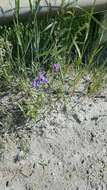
{"type": "Point", "coordinates": [66, 150]}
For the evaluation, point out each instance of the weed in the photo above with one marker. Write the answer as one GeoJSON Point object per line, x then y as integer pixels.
{"type": "Point", "coordinates": [97, 81]}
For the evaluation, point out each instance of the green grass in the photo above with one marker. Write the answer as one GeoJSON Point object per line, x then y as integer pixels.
{"type": "Point", "coordinates": [72, 41]}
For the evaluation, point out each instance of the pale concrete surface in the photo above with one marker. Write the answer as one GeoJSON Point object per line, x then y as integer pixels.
{"type": "Point", "coordinates": [7, 6]}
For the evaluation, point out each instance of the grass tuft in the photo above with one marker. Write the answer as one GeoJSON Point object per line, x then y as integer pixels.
{"type": "Point", "coordinates": [74, 42]}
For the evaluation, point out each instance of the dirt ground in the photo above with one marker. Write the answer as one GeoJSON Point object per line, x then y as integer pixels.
{"type": "Point", "coordinates": [65, 150]}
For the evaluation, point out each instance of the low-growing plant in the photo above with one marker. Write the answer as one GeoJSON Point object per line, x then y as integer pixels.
{"type": "Point", "coordinates": [31, 106]}
{"type": "Point", "coordinates": [97, 81]}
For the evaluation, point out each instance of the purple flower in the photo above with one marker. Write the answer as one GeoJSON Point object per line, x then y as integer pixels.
{"type": "Point", "coordinates": [55, 67]}
{"type": "Point", "coordinates": [36, 83]}
{"type": "Point", "coordinates": [41, 79]}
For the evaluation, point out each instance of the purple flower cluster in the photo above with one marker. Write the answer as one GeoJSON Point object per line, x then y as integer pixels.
{"type": "Point", "coordinates": [55, 67]}
{"type": "Point", "coordinates": [41, 79]}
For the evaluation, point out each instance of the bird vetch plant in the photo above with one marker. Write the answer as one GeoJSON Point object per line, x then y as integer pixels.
{"type": "Point", "coordinates": [55, 67]}
{"type": "Point", "coordinates": [40, 80]}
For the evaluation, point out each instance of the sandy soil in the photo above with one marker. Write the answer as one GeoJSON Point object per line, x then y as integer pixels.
{"type": "Point", "coordinates": [65, 150]}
